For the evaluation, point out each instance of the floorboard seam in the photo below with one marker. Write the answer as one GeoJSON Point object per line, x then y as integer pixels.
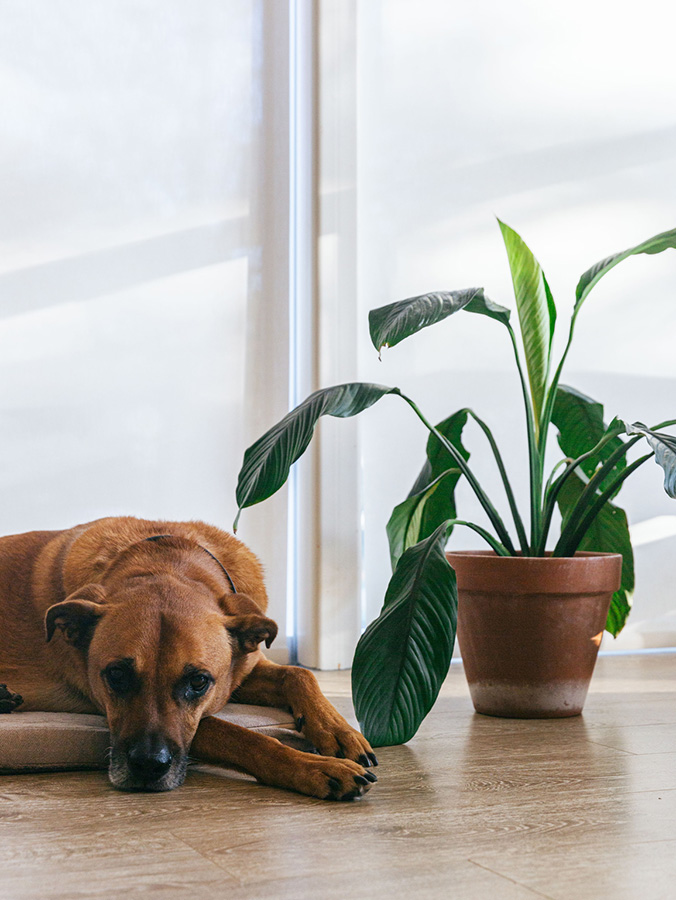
{"type": "Point", "coordinates": [207, 859]}
{"type": "Point", "coordinates": [653, 791]}
{"type": "Point", "coordinates": [511, 880]}
{"type": "Point", "coordinates": [610, 747]}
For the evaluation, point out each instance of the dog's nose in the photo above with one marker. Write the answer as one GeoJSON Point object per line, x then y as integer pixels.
{"type": "Point", "coordinates": [149, 758]}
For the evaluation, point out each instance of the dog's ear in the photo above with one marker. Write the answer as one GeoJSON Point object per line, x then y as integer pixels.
{"type": "Point", "coordinates": [239, 605]}
{"type": "Point", "coordinates": [246, 622]}
{"type": "Point", "coordinates": [250, 629]}
{"type": "Point", "coordinates": [77, 615]}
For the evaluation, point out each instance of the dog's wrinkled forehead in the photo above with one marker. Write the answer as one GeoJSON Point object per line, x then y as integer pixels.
{"type": "Point", "coordinates": [162, 538]}
{"type": "Point", "coordinates": [160, 632]}
{"type": "Point", "coordinates": [152, 557]}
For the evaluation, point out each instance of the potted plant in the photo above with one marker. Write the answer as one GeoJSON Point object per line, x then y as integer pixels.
{"type": "Point", "coordinates": [530, 621]}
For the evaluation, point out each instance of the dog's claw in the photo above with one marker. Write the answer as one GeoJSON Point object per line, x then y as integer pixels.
{"type": "Point", "coordinates": [373, 759]}
{"type": "Point", "coordinates": [366, 778]}
{"type": "Point", "coordinates": [340, 788]}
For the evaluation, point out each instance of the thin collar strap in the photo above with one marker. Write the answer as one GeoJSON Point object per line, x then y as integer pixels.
{"type": "Point", "coordinates": [158, 537]}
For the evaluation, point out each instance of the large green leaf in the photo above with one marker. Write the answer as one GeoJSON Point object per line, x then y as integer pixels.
{"type": "Point", "coordinates": [403, 656]}
{"type": "Point", "coordinates": [438, 457]}
{"type": "Point", "coordinates": [440, 505]}
{"type": "Point", "coordinates": [664, 446]}
{"type": "Point", "coordinates": [484, 306]}
{"type": "Point", "coordinates": [393, 323]}
{"type": "Point", "coordinates": [267, 462]}
{"type": "Point", "coordinates": [664, 241]}
{"type": "Point", "coordinates": [608, 533]}
{"type": "Point", "coordinates": [581, 426]}
{"type": "Point", "coordinates": [405, 526]}
{"type": "Point", "coordinates": [537, 314]}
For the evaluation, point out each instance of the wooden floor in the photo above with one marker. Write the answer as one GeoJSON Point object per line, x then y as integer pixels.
{"type": "Point", "coordinates": [473, 807]}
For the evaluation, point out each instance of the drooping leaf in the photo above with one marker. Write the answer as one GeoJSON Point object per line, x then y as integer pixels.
{"type": "Point", "coordinates": [405, 524]}
{"type": "Point", "coordinates": [484, 306]}
{"type": "Point", "coordinates": [440, 505]}
{"type": "Point", "coordinates": [267, 462]}
{"type": "Point", "coordinates": [438, 457]}
{"type": "Point", "coordinates": [608, 533]}
{"type": "Point", "coordinates": [664, 241]}
{"type": "Point", "coordinates": [664, 446]}
{"type": "Point", "coordinates": [620, 607]}
{"type": "Point", "coordinates": [581, 426]}
{"type": "Point", "coordinates": [393, 323]}
{"type": "Point", "coordinates": [537, 314]}
{"type": "Point", "coordinates": [403, 656]}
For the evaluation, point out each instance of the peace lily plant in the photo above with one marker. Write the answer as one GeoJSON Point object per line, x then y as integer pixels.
{"type": "Point", "coordinates": [404, 655]}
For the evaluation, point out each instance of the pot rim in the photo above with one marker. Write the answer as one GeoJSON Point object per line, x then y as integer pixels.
{"type": "Point", "coordinates": [587, 572]}
{"type": "Point", "coordinates": [579, 554]}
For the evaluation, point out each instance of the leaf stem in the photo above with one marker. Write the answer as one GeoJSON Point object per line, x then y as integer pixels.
{"type": "Point", "coordinates": [548, 410]}
{"type": "Point", "coordinates": [561, 462]}
{"type": "Point", "coordinates": [533, 456]}
{"type": "Point", "coordinates": [553, 488]}
{"type": "Point", "coordinates": [499, 548]}
{"type": "Point", "coordinates": [570, 539]}
{"type": "Point", "coordinates": [518, 522]}
{"type": "Point", "coordinates": [583, 502]}
{"type": "Point", "coordinates": [490, 510]}
{"type": "Point", "coordinates": [551, 394]}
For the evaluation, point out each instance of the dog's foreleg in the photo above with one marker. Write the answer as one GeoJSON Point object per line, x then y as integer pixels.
{"type": "Point", "coordinates": [271, 762]}
{"type": "Point", "coordinates": [269, 684]}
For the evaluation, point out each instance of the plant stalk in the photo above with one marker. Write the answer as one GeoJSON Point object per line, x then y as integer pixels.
{"type": "Point", "coordinates": [518, 522]}
{"type": "Point", "coordinates": [551, 394]}
{"type": "Point", "coordinates": [499, 548]}
{"type": "Point", "coordinates": [533, 455]}
{"type": "Point", "coordinates": [583, 501]}
{"type": "Point", "coordinates": [545, 421]}
{"type": "Point", "coordinates": [553, 489]}
{"type": "Point", "coordinates": [570, 539]}
{"type": "Point", "coordinates": [490, 510]}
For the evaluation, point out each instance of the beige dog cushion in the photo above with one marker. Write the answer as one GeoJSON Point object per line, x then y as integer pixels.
{"type": "Point", "coordinates": [31, 741]}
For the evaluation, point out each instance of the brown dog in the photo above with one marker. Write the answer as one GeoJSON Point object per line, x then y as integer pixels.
{"type": "Point", "coordinates": [157, 624]}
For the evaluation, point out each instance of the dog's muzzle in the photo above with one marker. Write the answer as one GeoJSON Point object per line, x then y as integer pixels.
{"type": "Point", "coordinates": [147, 763]}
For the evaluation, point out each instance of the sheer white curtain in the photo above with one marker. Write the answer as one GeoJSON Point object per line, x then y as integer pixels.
{"type": "Point", "coordinates": [143, 273]}
{"type": "Point", "coordinates": [435, 118]}
{"type": "Point", "coordinates": [559, 119]}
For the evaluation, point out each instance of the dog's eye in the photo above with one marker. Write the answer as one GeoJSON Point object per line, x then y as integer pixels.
{"type": "Point", "coordinates": [192, 685]}
{"type": "Point", "coordinates": [199, 683]}
{"type": "Point", "coordinates": [119, 678]}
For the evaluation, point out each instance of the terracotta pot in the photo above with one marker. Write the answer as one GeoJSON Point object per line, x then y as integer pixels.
{"type": "Point", "coordinates": [529, 629]}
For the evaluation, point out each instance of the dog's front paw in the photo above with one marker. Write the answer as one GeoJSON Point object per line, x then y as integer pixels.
{"type": "Point", "coordinates": [334, 779]}
{"type": "Point", "coordinates": [338, 738]}
{"type": "Point", "coordinates": [9, 701]}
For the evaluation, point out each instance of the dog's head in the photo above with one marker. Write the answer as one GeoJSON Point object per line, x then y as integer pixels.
{"type": "Point", "coordinates": [162, 649]}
